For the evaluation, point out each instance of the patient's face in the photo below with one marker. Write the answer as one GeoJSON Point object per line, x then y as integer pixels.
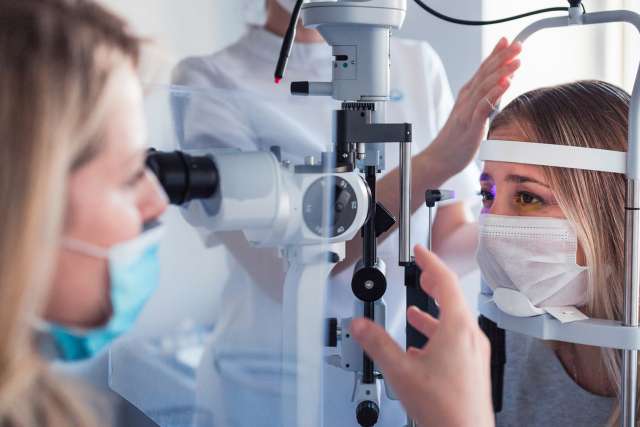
{"type": "Point", "coordinates": [514, 189]}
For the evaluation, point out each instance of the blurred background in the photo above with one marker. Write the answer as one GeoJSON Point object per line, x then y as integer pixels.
{"type": "Point", "coordinates": [197, 27]}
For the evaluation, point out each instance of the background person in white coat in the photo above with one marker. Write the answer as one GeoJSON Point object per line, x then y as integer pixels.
{"type": "Point", "coordinates": [302, 126]}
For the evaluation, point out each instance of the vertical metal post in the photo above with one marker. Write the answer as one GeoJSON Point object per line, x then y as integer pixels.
{"type": "Point", "coordinates": [629, 374]}
{"type": "Point", "coordinates": [405, 214]}
{"type": "Point", "coordinates": [369, 258]}
{"type": "Point", "coordinates": [405, 203]}
{"type": "Point", "coordinates": [430, 241]}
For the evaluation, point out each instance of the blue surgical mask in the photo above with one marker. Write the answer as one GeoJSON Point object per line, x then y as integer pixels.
{"type": "Point", "coordinates": [134, 272]}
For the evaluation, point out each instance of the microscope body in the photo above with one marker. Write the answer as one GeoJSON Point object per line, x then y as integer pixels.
{"type": "Point", "coordinates": [359, 33]}
{"type": "Point", "coordinates": [276, 204]}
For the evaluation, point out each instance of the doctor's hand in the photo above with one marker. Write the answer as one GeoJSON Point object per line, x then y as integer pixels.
{"type": "Point", "coordinates": [459, 139]}
{"type": "Point", "coordinates": [446, 383]}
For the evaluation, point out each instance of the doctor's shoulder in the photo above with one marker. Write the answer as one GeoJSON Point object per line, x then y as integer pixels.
{"type": "Point", "coordinates": [215, 70]}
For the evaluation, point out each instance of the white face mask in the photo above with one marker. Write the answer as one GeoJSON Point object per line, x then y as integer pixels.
{"type": "Point", "coordinates": [534, 256]}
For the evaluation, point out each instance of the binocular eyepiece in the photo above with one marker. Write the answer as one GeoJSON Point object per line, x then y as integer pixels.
{"type": "Point", "coordinates": [184, 177]}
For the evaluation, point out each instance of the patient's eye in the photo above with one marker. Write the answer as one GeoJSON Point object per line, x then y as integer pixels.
{"type": "Point", "coordinates": [528, 201]}
{"type": "Point", "coordinates": [487, 198]}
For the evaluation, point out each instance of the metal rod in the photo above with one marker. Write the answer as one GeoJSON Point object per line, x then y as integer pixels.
{"type": "Point", "coordinates": [430, 241]}
{"type": "Point", "coordinates": [405, 203]}
{"type": "Point", "coordinates": [405, 217]}
{"type": "Point", "coordinates": [368, 376]}
{"type": "Point", "coordinates": [369, 244]}
{"type": "Point", "coordinates": [369, 259]}
{"type": "Point", "coordinates": [629, 372]}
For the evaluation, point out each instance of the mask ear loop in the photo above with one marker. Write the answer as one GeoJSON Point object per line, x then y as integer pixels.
{"type": "Point", "coordinates": [85, 248]}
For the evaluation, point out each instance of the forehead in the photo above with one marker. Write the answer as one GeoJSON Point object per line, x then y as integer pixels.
{"type": "Point", "coordinates": [125, 127]}
{"type": "Point", "coordinates": [499, 171]}
{"type": "Point", "coordinates": [510, 131]}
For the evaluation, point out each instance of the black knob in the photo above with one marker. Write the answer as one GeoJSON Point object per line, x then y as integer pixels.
{"type": "Point", "coordinates": [369, 284]}
{"type": "Point", "coordinates": [367, 413]}
{"type": "Point", "coordinates": [300, 88]}
{"type": "Point", "coordinates": [184, 177]}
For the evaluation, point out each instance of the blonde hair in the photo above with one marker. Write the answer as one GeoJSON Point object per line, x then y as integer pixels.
{"type": "Point", "coordinates": [590, 114]}
{"type": "Point", "coordinates": [57, 59]}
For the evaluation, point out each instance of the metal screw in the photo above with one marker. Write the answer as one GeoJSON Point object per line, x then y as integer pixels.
{"type": "Point", "coordinates": [368, 285]}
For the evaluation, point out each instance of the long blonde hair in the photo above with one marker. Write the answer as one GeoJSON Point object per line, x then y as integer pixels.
{"type": "Point", "coordinates": [56, 60]}
{"type": "Point", "coordinates": [585, 114]}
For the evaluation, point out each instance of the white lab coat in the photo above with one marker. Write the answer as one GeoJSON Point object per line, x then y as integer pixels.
{"type": "Point", "coordinates": [301, 126]}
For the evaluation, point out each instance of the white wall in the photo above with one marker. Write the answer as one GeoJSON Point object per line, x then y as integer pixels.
{"type": "Point", "coordinates": [183, 28]}
{"type": "Point", "coordinates": [551, 57]}
{"type": "Point", "coordinates": [460, 47]}
{"type": "Point", "coordinates": [560, 55]}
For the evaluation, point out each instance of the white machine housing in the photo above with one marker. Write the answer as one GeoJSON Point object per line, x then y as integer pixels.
{"type": "Point", "coordinates": [263, 198]}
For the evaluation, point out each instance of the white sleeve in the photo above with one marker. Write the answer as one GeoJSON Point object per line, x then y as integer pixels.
{"type": "Point", "coordinates": [438, 83]}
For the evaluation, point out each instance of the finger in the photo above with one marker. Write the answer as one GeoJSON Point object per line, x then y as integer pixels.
{"type": "Point", "coordinates": [493, 80]}
{"type": "Point", "coordinates": [503, 56]}
{"type": "Point", "coordinates": [439, 282]}
{"type": "Point", "coordinates": [422, 321]}
{"type": "Point", "coordinates": [490, 103]}
{"type": "Point", "coordinates": [414, 352]}
{"type": "Point", "coordinates": [500, 58]}
{"type": "Point", "coordinates": [377, 343]}
{"type": "Point", "coordinates": [497, 59]}
{"type": "Point", "coordinates": [502, 43]}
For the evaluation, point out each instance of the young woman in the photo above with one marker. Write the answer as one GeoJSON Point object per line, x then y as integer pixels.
{"type": "Point", "coordinates": [546, 383]}
{"type": "Point", "coordinates": [76, 196]}
{"type": "Point", "coordinates": [560, 383]}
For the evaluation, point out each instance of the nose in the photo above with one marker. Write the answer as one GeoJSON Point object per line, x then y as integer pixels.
{"type": "Point", "coordinates": [153, 200]}
{"type": "Point", "coordinates": [494, 209]}
{"type": "Point", "coordinates": [500, 206]}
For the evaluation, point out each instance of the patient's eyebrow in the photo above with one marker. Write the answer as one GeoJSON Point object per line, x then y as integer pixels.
{"type": "Point", "coordinates": [520, 179]}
